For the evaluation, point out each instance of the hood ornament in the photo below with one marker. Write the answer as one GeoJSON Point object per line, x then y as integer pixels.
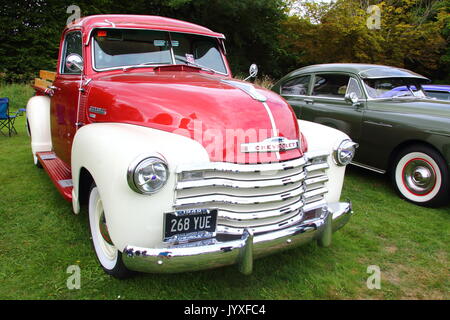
{"type": "Point", "coordinates": [274, 144]}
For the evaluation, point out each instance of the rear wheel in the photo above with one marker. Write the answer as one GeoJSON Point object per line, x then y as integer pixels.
{"type": "Point", "coordinates": [420, 175]}
{"type": "Point", "coordinates": [109, 257]}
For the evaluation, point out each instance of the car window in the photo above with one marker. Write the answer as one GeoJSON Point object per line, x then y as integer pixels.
{"type": "Point", "coordinates": [438, 95]}
{"type": "Point", "coordinates": [330, 85]}
{"type": "Point", "coordinates": [72, 44]}
{"type": "Point", "coordinates": [393, 87]}
{"type": "Point", "coordinates": [297, 86]}
{"type": "Point", "coordinates": [353, 86]}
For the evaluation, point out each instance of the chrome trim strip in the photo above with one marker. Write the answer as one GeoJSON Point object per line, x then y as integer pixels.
{"type": "Point", "coordinates": [319, 179]}
{"type": "Point", "coordinates": [239, 200]}
{"type": "Point", "coordinates": [316, 192]}
{"type": "Point", "coordinates": [314, 205]}
{"type": "Point", "coordinates": [223, 182]}
{"type": "Point", "coordinates": [258, 215]}
{"type": "Point", "coordinates": [274, 126]}
{"type": "Point", "coordinates": [229, 230]}
{"type": "Point", "coordinates": [233, 167]}
{"type": "Point", "coordinates": [316, 167]}
{"type": "Point", "coordinates": [364, 166]}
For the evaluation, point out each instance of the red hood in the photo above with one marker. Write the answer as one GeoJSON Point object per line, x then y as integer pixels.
{"type": "Point", "coordinates": [198, 105]}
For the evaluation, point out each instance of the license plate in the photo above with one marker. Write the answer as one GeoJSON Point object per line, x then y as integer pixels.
{"type": "Point", "coordinates": [190, 222]}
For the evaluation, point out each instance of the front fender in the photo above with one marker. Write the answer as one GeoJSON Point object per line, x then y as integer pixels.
{"type": "Point", "coordinates": [320, 137]}
{"type": "Point", "coordinates": [106, 150]}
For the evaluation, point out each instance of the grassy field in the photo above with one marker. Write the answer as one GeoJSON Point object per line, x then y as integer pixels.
{"type": "Point", "coordinates": [40, 238]}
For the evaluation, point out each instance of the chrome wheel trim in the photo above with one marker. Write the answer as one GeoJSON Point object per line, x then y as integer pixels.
{"type": "Point", "coordinates": [402, 186]}
{"type": "Point", "coordinates": [419, 176]}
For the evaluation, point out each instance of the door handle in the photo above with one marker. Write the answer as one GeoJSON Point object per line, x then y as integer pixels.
{"type": "Point", "coordinates": [309, 100]}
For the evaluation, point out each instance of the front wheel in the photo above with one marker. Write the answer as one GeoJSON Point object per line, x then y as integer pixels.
{"type": "Point", "coordinates": [421, 176]}
{"type": "Point", "coordinates": [109, 257]}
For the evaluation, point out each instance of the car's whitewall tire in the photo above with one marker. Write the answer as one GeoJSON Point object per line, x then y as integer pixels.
{"type": "Point", "coordinates": [420, 176]}
{"type": "Point", "coordinates": [108, 255]}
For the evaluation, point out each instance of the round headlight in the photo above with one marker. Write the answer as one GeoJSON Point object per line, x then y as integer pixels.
{"type": "Point", "coordinates": [344, 154]}
{"type": "Point", "coordinates": [148, 175]}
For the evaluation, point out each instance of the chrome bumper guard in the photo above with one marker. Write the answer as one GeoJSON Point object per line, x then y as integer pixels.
{"type": "Point", "coordinates": [200, 255]}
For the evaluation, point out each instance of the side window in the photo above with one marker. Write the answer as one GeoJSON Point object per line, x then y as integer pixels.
{"type": "Point", "coordinates": [297, 86]}
{"type": "Point", "coordinates": [353, 86]}
{"type": "Point", "coordinates": [72, 44]}
{"type": "Point", "coordinates": [330, 85]}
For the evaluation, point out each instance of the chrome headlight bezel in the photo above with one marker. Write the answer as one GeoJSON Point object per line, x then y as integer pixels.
{"type": "Point", "coordinates": [135, 170]}
{"type": "Point", "coordinates": [345, 152]}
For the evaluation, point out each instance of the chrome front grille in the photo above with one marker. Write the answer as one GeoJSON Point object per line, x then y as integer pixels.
{"type": "Point", "coordinates": [261, 197]}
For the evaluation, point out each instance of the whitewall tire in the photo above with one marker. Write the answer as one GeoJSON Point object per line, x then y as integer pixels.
{"type": "Point", "coordinates": [421, 176]}
{"type": "Point", "coordinates": [107, 254]}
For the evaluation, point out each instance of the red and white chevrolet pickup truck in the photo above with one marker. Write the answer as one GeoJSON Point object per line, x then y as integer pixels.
{"type": "Point", "coordinates": [181, 167]}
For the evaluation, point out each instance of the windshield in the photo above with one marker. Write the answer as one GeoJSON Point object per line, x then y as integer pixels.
{"type": "Point", "coordinates": [393, 87]}
{"type": "Point", "coordinates": [120, 48]}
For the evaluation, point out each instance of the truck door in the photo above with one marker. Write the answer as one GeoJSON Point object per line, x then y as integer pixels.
{"type": "Point", "coordinates": [64, 102]}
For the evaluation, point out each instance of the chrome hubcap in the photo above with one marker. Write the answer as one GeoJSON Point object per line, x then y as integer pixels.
{"type": "Point", "coordinates": [419, 176]}
{"type": "Point", "coordinates": [104, 229]}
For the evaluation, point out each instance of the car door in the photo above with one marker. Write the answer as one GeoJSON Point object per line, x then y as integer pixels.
{"type": "Point", "coordinates": [64, 102]}
{"type": "Point", "coordinates": [329, 106]}
{"type": "Point", "coordinates": [296, 91]}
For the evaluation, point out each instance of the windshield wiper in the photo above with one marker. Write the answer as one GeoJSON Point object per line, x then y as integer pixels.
{"type": "Point", "coordinates": [196, 65]}
{"type": "Point", "coordinates": [146, 64]}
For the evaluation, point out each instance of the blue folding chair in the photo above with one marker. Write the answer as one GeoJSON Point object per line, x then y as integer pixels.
{"type": "Point", "coordinates": [7, 120]}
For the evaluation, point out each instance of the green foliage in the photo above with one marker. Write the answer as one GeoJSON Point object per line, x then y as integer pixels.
{"type": "Point", "coordinates": [30, 30]}
{"type": "Point", "coordinates": [412, 34]}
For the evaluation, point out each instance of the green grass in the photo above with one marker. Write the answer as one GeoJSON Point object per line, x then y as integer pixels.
{"type": "Point", "coordinates": [40, 238]}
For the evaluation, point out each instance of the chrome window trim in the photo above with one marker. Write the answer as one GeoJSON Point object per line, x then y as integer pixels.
{"type": "Point", "coordinates": [149, 66]}
{"type": "Point", "coordinates": [63, 58]}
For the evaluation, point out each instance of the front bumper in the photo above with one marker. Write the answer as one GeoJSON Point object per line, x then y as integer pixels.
{"type": "Point", "coordinates": [200, 255]}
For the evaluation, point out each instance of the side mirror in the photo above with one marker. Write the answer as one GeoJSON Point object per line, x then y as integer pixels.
{"type": "Point", "coordinates": [74, 62]}
{"type": "Point", "coordinates": [352, 97]}
{"type": "Point", "coordinates": [253, 72]}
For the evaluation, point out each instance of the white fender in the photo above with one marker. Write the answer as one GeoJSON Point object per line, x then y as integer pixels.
{"type": "Point", "coordinates": [38, 117]}
{"type": "Point", "coordinates": [106, 150]}
{"type": "Point", "coordinates": [320, 137]}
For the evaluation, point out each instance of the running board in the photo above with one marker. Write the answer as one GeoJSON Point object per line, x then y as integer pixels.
{"type": "Point", "coordinates": [59, 172]}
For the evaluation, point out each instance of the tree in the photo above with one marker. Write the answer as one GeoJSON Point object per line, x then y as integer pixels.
{"type": "Point", "coordinates": [30, 30]}
{"type": "Point", "coordinates": [411, 34]}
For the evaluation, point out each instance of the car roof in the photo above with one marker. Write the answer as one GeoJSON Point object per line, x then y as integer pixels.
{"type": "Point", "coordinates": [141, 22]}
{"type": "Point", "coordinates": [367, 71]}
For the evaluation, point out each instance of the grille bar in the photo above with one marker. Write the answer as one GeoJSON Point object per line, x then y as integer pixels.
{"type": "Point", "coordinates": [261, 197]}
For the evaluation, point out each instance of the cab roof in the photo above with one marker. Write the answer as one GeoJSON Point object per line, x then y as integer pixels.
{"type": "Point", "coordinates": [366, 71]}
{"type": "Point", "coordinates": [139, 22]}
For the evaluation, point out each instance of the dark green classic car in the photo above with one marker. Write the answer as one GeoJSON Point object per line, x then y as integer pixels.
{"type": "Point", "coordinates": [399, 129]}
